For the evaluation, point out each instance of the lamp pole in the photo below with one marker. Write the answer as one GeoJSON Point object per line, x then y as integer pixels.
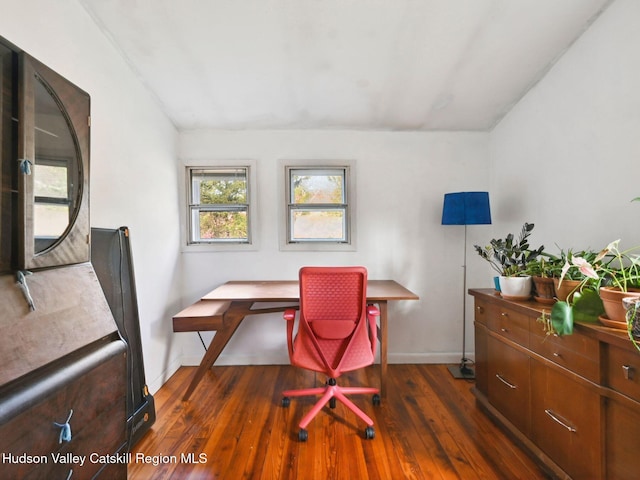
{"type": "Point", "coordinates": [465, 371]}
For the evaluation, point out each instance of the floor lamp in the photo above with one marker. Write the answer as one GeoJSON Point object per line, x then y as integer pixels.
{"type": "Point", "coordinates": [465, 208]}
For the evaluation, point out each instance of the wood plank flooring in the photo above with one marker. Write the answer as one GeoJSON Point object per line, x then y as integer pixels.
{"type": "Point", "coordinates": [427, 427]}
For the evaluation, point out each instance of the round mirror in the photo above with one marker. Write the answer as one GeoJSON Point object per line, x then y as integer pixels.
{"type": "Point", "coordinates": [57, 171]}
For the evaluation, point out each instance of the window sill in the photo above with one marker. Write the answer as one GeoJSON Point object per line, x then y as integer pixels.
{"type": "Point", "coordinates": [219, 247]}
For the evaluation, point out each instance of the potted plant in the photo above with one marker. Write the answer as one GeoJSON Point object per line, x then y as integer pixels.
{"type": "Point", "coordinates": [542, 271]}
{"type": "Point", "coordinates": [619, 272]}
{"type": "Point", "coordinates": [613, 272]}
{"type": "Point", "coordinates": [509, 257]}
{"type": "Point", "coordinates": [568, 281]}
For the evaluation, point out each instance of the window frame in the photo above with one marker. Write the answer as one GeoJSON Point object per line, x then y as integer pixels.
{"type": "Point", "coordinates": [348, 169]}
{"type": "Point", "coordinates": [189, 245]}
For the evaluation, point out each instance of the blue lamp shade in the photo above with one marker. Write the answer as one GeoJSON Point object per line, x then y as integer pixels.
{"type": "Point", "coordinates": [466, 208]}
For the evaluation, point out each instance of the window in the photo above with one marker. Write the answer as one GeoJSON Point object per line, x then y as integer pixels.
{"type": "Point", "coordinates": [52, 189]}
{"type": "Point", "coordinates": [318, 207]}
{"type": "Point", "coordinates": [219, 205]}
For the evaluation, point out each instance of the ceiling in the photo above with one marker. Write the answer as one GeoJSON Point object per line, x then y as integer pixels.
{"type": "Point", "coordinates": [341, 64]}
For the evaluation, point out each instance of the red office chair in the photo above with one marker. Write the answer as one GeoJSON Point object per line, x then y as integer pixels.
{"type": "Point", "coordinates": [336, 333]}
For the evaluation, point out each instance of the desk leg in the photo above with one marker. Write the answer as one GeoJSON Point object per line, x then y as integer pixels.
{"type": "Point", "coordinates": [382, 305]}
{"type": "Point", "coordinates": [232, 319]}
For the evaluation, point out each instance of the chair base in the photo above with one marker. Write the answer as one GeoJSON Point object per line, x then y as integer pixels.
{"type": "Point", "coordinates": [328, 393]}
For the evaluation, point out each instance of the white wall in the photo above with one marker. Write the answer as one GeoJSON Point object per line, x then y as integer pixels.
{"type": "Point", "coordinates": [567, 157]}
{"type": "Point", "coordinates": [564, 156]}
{"type": "Point", "coordinates": [401, 179]}
{"type": "Point", "coordinates": [134, 179]}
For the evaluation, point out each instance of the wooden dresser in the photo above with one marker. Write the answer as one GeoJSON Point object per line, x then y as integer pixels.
{"type": "Point", "coordinates": [572, 401]}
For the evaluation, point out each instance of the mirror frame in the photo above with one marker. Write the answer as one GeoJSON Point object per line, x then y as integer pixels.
{"type": "Point", "coordinates": [74, 244]}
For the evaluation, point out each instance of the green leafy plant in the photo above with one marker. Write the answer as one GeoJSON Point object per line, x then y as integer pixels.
{"type": "Point", "coordinates": [558, 268]}
{"type": "Point", "coordinates": [510, 256]}
{"type": "Point", "coordinates": [546, 266]}
{"type": "Point", "coordinates": [611, 267]}
{"type": "Point", "coordinates": [632, 316]}
{"type": "Point", "coordinates": [547, 326]}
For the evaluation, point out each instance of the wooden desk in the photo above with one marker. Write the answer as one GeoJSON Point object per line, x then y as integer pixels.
{"type": "Point", "coordinates": [243, 294]}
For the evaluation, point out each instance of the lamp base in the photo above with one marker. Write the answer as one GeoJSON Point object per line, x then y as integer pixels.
{"type": "Point", "coordinates": [463, 370]}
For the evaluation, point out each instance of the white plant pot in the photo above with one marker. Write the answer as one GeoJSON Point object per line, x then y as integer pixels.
{"type": "Point", "coordinates": [516, 288]}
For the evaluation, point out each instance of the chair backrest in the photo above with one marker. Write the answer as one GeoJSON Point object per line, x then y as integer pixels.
{"type": "Point", "coordinates": [333, 299]}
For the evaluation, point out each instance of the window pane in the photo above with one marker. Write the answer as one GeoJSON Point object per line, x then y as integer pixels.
{"type": "Point", "coordinates": [222, 225]}
{"type": "Point", "coordinates": [219, 187]}
{"type": "Point", "coordinates": [50, 220]}
{"type": "Point", "coordinates": [317, 186]}
{"type": "Point", "coordinates": [51, 181]}
{"type": "Point", "coordinates": [318, 225]}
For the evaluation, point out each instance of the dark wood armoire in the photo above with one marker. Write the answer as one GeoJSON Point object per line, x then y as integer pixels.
{"type": "Point", "coordinates": [63, 376]}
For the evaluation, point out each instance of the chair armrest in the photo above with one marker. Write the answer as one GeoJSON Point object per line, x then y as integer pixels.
{"type": "Point", "coordinates": [289, 314]}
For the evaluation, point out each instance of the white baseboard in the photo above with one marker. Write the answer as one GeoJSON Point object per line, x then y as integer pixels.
{"type": "Point", "coordinates": [156, 383]}
{"type": "Point", "coordinates": [276, 359]}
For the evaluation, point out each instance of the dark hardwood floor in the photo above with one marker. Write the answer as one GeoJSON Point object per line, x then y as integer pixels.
{"type": "Point", "coordinates": [427, 427]}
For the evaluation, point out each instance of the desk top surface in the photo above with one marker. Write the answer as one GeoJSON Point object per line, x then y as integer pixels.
{"type": "Point", "coordinates": [288, 290]}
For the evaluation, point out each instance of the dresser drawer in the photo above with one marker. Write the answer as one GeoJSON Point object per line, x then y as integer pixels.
{"type": "Point", "coordinates": [566, 421]}
{"type": "Point", "coordinates": [510, 324]}
{"type": "Point", "coordinates": [578, 353]}
{"type": "Point", "coordinates": [508, 382]}
{"type": "Point", "coordinates": [483, 311]}
{"type": "Point", "coordinates": [623, 371]}
{"type": "Point", "coordinates": [88, 449]}
{"type": "Point", "coordinates": [93, 386]}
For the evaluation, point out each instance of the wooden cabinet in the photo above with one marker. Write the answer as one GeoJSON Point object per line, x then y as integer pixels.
{"type": "Point", "coordinates": [63, 370]}
{"type": "Point", "coordinates": [573, 401]}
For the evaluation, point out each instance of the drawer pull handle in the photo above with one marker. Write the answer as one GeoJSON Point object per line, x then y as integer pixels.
{"type": "Point", "coordinates": [555, 418]}
{"type": "Point", "coordinates": [557, 355]}
{"type": "Point", "coordinates": [504, 330]}
{"type": "Point", "coordinates": [627, 371]}
{"type": "Point", "coordinates": [65, 429]}
{"type": "Point", "coordinates": [480, 309]}
{"type": "Point", "coordinates": [504, 314]}
{"type": "Point", "coordinates": [508, 384]}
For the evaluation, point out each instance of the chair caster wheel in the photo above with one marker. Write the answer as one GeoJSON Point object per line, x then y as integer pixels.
{"type": "Point", "coordinates": [303, 435]}
{"type": "Point", "coordinates": [332, 402]}
{"type": "Point", "coordinates": [376, 399]}
{"type": "Point", "coordinates": [286, 401]}
{"type": "Point", "coordinates": [369, 433]}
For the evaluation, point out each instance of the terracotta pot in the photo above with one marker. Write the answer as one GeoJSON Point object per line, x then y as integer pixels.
{"type": "Point", "coordinates": [566, 290]}
{"type": "Point", "coordinates": [612, 300]}
{"type": "Point", "coordinates": [515, 288]}
{"type": "Point", "coordinates": [632, 308]}
{"type": "Point", "coordinates": [545, 291]}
